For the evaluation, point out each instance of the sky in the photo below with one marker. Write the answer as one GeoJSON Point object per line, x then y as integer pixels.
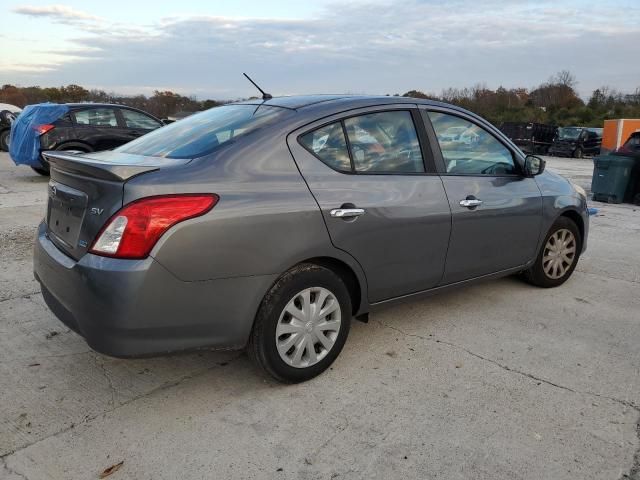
{"type": "Point", "coordinates": [201, 48]}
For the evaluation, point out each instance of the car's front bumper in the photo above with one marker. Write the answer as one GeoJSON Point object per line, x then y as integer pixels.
{"type": "Point", "coordinates": [585, 227]}
{"type": "Point", "coordinates": [562, 150]}
{"type": "Point", "coordinates": [129, 308]}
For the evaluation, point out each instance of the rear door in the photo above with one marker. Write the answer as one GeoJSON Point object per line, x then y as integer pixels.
{"type": "Point", "coordinates": [99, 128]}
{"type": "Point", "coordinates": [373, 176]}
{"type": "Point", "coordinates": [496, 211]}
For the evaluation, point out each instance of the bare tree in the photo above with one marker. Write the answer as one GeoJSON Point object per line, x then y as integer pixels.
{"type": "Point", "coordinates": [564, 78]}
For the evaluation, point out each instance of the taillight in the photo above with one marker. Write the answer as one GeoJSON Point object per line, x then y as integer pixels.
{"type": "Point", "coordinates": [134, 230]}
{"type": "Point", "coordinates": [42, 129]}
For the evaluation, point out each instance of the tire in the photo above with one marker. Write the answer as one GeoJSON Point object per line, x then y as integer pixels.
{"type": "Point", "coordinates": [578, 153]}
{"type": "Point", "coordinates": [44, 170]}
{"type": "Point", "coordinates": [274, 324]}
{"type": "Point", "coordinates": [549, 277]}
{"type": "Point", "coordinates": [73, 147]}
{"type": "Point", "coordinates": [4, 140]}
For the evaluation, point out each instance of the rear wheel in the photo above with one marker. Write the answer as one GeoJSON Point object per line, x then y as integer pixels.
{"type": "Point", "coordinates": [302, 324]}
{"type": "Point", "coordinates": [45, 169]}
{"type": "Point", "coordinates": [558, 256]}
{"type": "Point", "coordinates": [4, 140]}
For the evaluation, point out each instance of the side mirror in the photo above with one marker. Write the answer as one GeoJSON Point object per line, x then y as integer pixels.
{"type": "Point", "coordinates": [533, 165]}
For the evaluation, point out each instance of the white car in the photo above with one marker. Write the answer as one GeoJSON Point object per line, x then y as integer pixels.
{"type": "Point", "coordinates": [8, 114]}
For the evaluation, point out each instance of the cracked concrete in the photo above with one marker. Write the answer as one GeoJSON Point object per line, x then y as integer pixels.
{"type": "Point", "coordinates": [509, 369]}
{"type": "Point", "coordinates": [499, 380]}
{"type": "Point", "coordinates": [634, 472]}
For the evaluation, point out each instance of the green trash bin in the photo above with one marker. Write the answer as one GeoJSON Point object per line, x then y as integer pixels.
{"type": "Point", "coordinates": [611, 175]}
{"type": "Point", "coordinates": [633, 188]}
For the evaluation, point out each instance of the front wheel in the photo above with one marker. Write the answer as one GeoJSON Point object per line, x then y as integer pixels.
{"type": "Point", "coordinates": [578, 153]}
{"type": "Point", "coordinates": [302, 324]}
{"type": "Point", "coordinates": [558, 256]}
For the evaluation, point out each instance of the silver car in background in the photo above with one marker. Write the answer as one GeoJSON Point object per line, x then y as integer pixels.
{"type": "Point", "coordinates": [269, 225]}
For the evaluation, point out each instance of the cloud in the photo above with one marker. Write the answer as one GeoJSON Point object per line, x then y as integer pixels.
{"type": "Point", "coordinates": [359, 47]}
{"type": "Point", "coordinates": [57, 13]}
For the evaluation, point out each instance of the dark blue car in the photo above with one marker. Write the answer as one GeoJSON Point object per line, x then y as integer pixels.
{"type": "Point", "coordinates": [80, 127]}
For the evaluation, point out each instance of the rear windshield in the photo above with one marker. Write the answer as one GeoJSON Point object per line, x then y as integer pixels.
{"type": "Point", "coordinates": [200, 134]}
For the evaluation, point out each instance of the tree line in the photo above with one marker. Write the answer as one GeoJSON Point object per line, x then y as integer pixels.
{"type": "Point", "coordinates": [161, 104]}
{"type": "Point", "coordinates": [554, 102]}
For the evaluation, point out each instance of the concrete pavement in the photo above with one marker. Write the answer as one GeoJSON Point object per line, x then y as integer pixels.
{"type": "Point", "coordinates": [499, 380]}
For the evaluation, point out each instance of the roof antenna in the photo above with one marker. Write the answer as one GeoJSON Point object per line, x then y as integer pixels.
{"type": "Point", "coordinates": [265, 96]}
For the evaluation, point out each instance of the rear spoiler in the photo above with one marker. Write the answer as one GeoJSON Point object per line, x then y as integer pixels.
{"type": "Point", "coordinates": [71, 162]}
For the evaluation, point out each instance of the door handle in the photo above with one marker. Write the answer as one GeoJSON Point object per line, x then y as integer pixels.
{"type": "Point", "coordinates": [470, 202]}
{"type": "Point", "coordinates": [347, 212]}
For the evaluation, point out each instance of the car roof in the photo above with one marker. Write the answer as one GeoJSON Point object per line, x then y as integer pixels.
{"type": "Point", "coordinates": [298, 102]}
{"type": "Point", "coordinates": [11, 108]}
{"type": "Point", "coordinates": [91, 104]}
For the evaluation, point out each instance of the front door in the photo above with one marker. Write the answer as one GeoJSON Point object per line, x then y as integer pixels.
{"type": "Point", "coordinates": [381, 201]}
{"type": "Point", "coordinates": [496, 210]}
{"type": "Point", "coordinates": [135, 124]}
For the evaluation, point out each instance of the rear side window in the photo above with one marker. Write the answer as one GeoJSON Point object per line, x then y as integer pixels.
{"type": "Point", "coordinates": [133, 119]}
{"type": "Point", "coordinates": [201, 133]}
{"type": "Point", "coordinates": [384, 142]}
{"type": "Point", "coordinates": [99, 117]}
{"type": "Point", "coordinates": [329, 145]}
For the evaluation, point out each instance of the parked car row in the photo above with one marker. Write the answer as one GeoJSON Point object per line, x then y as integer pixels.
{"type": "Point", "coordinates": [270, 224]}
{"type": "Point", "coordinates": [552, 140]}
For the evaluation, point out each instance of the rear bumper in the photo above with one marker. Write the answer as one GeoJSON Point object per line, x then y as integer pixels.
{"type": "Point", "coordinates": [128, 308]}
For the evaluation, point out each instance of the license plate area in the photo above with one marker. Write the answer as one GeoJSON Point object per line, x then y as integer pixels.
{"type": "Point", "coordinates": [65, 213]}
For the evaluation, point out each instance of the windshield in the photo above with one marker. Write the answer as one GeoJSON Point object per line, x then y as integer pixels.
{"type": "Point", "coordinates": [632, 145]}
{"type": "Point", "coordinates": [200, 134]}
{"type": "Point", "coordinates": [569, 133]}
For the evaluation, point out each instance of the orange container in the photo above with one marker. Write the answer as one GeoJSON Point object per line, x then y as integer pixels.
{"type": "Point", "coordinates": [616, 132]}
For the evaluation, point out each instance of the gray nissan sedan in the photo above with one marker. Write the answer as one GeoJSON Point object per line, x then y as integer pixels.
{"type": "Point", "coordinates": [269, 225]}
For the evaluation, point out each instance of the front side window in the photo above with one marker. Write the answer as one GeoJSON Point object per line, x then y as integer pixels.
{"type": "Point", "coordinates": [384, 142]}
{"type": "Point", "coordinates": [468, 149]}
{"type": "Point", "coordinates": [200, 134]}
{"type": "Point", "coordinates": [133, 119]}
{"type": "Point", "coordinates": [97, 117]}
{"type": "Point", "coordinates": [329, 145]}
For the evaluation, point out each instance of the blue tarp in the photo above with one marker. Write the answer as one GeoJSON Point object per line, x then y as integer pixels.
{"type": "Point", "coordinates": [25, 140]}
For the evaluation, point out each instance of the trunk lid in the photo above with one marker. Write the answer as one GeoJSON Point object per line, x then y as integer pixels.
{"type": "Point", "coordinates": [85, 190]}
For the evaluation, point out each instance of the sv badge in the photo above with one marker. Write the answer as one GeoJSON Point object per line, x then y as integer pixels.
{"type": "Point", "coordinates": [97, 211]}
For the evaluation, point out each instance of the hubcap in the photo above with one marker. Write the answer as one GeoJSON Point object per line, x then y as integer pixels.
{"type": "Point", "coordinates": [308, 327]}
{"type": "Point", "coordinates": [559, 254]}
